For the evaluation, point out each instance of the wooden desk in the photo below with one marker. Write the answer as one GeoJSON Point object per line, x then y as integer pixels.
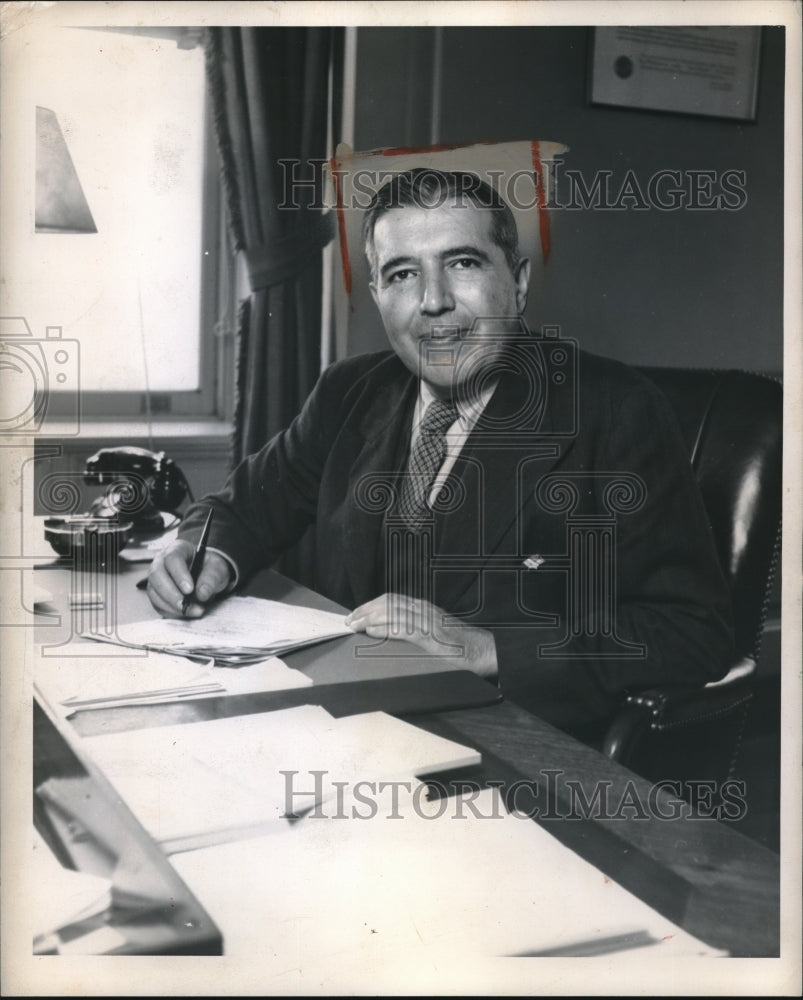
{"type": "Point", "coordinates": [702, 875]}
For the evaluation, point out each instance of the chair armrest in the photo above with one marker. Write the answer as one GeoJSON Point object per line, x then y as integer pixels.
{"type": "Point", "coordinates": [663, 709]}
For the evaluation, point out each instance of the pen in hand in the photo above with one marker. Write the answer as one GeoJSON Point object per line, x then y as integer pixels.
{"type": "Point", "coordinates": [198, 560]}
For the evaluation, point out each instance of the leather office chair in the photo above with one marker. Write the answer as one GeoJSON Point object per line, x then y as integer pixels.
{"type": "Point", "coordinates": [732, 422]}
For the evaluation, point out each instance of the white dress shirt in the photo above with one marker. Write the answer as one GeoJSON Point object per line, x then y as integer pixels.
{"type": "Point", "coordinates": [468, 413]}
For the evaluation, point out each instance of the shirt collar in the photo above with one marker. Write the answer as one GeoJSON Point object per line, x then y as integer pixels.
{"type": "Point", "coordinates": [468, 409]}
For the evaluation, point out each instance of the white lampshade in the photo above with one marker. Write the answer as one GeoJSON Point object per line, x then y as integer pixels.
{"type": "Point", "coordinates": [61, 206]}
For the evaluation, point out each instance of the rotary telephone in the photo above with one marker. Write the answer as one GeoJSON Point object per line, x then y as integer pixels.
{"type": "Point", "coordinates": [143, 487]}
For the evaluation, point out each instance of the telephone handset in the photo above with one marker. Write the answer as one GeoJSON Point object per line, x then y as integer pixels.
{"type": "Point", "coordinates": [143, 486]}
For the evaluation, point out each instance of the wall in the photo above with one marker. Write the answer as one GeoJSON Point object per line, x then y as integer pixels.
{"type": "Point", "coordinates": [697, 288]}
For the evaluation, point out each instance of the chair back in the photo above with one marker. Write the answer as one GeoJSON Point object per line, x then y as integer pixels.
{"type": "Point", "coordinates": [732, 422]}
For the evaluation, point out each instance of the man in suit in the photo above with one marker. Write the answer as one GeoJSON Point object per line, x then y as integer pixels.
{"type": "Point", "coordinates": [497, 498]}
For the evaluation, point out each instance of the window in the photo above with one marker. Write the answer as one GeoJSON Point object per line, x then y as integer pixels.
{"type": "Point", "coordinates": [145, 296]}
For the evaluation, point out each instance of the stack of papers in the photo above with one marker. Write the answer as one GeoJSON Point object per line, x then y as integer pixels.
{"type": "Point", "coordinates": [236, 631]}
{"type": "Point", "coordinates": [210, 782]}
{"type": "Point", "coordinates": [81, 680]}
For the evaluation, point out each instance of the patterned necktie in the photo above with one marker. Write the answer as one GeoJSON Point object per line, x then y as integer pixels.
{"type": "Point", "coordinates": [426, 458]}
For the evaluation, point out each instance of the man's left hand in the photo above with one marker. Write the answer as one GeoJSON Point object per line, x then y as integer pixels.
{"type": "Point", "coordinates": [395, 616]}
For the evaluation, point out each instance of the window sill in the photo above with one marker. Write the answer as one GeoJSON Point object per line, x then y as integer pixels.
{"type": "Point", "coordinates": [202, 449]}
{"type": "Point", "coordinates": [161, 433]}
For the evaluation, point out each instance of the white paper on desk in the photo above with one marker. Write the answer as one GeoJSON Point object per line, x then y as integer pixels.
{"type": "Point", "coordinates": [83, 683]}
{"type": "Point", "coordinates": [145, 550]}
{"type": "Point", "coordinates": [248, 622]}
{"type": "Point", "coordinates": [358, 901]}
{"type": "Point", "coordinates": [73, 682]}
{"type": "Point", "coordinates": [209, 782]}
{"type": "Point", "coordinates": [41, 595]}
{"type": "Point", "coordinates": [267, 675]}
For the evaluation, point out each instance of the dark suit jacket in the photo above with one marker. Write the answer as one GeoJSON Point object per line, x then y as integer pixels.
{"type": "Point", "coordinates": [537, 477]}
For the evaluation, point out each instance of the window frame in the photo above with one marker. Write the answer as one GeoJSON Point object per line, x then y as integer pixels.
{"type": "Point", "coordinates": [213, 400]}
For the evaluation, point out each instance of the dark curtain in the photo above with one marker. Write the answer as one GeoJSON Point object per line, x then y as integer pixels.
{"type": "Point", "coordinates": [269, 97]}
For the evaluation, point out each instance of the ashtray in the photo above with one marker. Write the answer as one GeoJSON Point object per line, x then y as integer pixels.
{"type": "Point", "coordinates": [93, 540]}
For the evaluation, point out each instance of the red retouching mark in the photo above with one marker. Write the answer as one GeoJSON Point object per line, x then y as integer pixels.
{"type": "Point", "coordinates": [341, 226]}
{"type": "Point", "coordinates": [538, 170]}
{"type": "Point", "coordinates": [540, 194]}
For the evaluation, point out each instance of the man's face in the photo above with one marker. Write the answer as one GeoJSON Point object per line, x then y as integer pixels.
{"type": "Point", "coordinates": [437, 270]}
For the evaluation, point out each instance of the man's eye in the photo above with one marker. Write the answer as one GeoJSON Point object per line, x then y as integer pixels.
{"type": "Point", "coordinates": [466, 262]}
{"type": "Point", "coordinates": [401, 275]}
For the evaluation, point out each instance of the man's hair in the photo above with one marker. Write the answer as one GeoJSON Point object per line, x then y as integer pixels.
{"type": "Point", "coordinates": [424, 187]}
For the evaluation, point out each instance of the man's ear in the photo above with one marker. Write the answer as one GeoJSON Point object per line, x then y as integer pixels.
{"type": "Point", "coordinates": [522, 279]}
{"type": "Point", "coordinates": [374, 295]}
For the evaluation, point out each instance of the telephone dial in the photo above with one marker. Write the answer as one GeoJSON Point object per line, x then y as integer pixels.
{"type": "Point", "coordinates": [145, 487]}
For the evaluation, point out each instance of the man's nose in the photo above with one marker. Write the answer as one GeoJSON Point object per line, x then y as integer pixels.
{"type": "Point", "coordinates": [436, 297]}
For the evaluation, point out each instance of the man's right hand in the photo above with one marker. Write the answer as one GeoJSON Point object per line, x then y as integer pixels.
{"type": "Point", "coordinates": [169, 580]}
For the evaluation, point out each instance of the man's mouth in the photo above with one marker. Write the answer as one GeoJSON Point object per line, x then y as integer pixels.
{"type": "Point", "coordinates": [445, 334]}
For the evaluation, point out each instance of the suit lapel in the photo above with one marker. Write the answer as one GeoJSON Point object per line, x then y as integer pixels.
{"type": "Point", "coordinates": [378, 443]}
{"type": "Point", "coordinates": [519, 438]}
{"type": "Point", "coordinates": [512, 446]}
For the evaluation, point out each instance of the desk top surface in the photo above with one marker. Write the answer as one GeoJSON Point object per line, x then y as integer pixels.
{"type": "Point", "coordinates": [700, 874]}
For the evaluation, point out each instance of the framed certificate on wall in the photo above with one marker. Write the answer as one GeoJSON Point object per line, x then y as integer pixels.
{"type": "Point", "coordinates": [688, 70]}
